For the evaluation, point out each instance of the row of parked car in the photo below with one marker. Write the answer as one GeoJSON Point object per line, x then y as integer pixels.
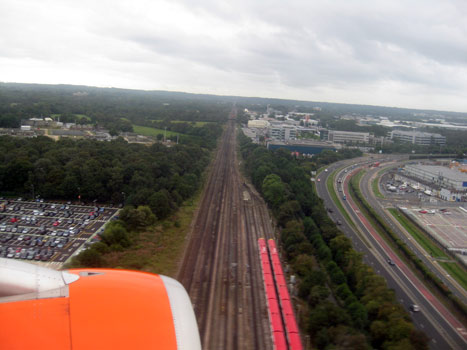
{"type": "Point", "coordinates": [14, 229]}
{"type": "Point", "coordinates": [33, 241]}
{"type": "Point", "coordinates": [38, 254]}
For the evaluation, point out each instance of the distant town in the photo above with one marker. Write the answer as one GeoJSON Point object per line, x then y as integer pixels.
{"type": "Point", "coordinates": [300, 132]}
{"type": "Point", "coordinates": [46, 126]}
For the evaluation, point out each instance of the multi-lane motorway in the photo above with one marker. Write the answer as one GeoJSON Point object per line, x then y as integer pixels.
{"type": "Point", "coordinates": [431, 263]}
{"type": "Point", "coordinates": [444, 331]}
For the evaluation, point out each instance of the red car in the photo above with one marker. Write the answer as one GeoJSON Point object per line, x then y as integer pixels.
{"type": "Point", "coordinates": [56, 223]}
{"type": "Point", "coordinates": [423, 211]}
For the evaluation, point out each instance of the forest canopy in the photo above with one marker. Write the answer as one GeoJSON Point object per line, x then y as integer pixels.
{"type": "Point", "coordinates": [158, 176]}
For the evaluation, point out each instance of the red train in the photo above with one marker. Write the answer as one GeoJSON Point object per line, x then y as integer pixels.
{"type": "Point", "coordinates": [284, 326]}
{"type": "Point", "coordinates": [291, 328]}
{"type": "Point", "coordinates": [275, 317]}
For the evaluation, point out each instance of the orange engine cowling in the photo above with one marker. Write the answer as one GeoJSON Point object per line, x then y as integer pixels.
{"type": "Point", "coordinates": [93, 309]}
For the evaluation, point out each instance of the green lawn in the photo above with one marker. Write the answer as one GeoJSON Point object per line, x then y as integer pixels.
{"type": "Point", "coordinates": [456, 271]}
{"type": "Point", "coordinates": [80, 116]}
{"type": "Point", "coordinates": [195, 124]}
{"type": "Point", "coordinates": [375, 187]}
{"type": "Point", "coordinates": [148, 131]}
{"type": "Point", "coordinates": [429, 246]}
{"type": "Point", "coordinates": [158, 249]}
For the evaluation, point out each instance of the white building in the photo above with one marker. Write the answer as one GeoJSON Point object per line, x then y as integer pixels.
{"type": "Point", "coordinates": [418, 138]}
{"type": "Point", "coordinates": [348, 136]}
{"type": "Point", "coordinates": [258, 124]}
{"type": "Point", "coordinates": [283, 132]}
{"type": "Point", "coordinates": [438, 175]}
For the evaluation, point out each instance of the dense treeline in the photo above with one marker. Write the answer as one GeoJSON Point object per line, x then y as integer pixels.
{"type": "Point", "coordinates": [204, 135]}
{"type": "Point", "coordinates": [111, 108]}
{"type": "Point", "coordinates": [157, 176]}
{"type": "Point", "coordinates": [350, 307]}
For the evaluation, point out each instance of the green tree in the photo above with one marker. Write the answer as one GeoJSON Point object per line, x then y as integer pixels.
{"type": "Point", "coordinates": [358, 314]}
{"type": "Point", "coordinates": [161, 204]}
{"type": "Point", "coordinates": [115, 235]}
{"type": "Point", "coordinates": [89, 258]}
{"type": "Point", "coordinates": [137, 218]}
{"type": "Point", "coordinates": [274, 190]}
{"type": "Point", "coordinates": [303, 265]}
{"type": "Point", "coordinates": [288, 211]}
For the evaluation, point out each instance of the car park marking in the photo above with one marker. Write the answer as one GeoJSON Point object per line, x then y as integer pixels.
{"type": "Point", "coordinates": [37, 236]}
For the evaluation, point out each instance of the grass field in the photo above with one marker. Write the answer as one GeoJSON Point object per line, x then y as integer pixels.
{"type": "Point", "coordinates": [375, 188]}
{"type": "Point", "coordinates": [148, 131]}
{"type": "Point", "coordinates": [159, 249]}
{"type": "Point", "coordinates": [429, 246]}
{"type": "Point", "coordinates": [195, 124]}
{"type": "Point", "coordinates": [453, 268]}
{"type": "Point", "coordinates": [80, 116]}
{"type": "Point", "coordinates": [456, 271]}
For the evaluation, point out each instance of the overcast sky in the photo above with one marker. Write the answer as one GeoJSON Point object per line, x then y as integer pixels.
{"type": "Point", "coordinates": [404, 53]}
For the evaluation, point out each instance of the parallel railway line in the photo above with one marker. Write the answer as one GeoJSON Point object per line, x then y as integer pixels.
{"type": "Point", "coordinates": [221, 270]}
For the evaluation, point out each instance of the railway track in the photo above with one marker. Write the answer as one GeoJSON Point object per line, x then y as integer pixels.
{"type": "Point", "coordinates": [221, 269]}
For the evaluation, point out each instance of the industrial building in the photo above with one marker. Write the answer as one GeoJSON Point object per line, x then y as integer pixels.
{"type": "Point", "coordinates": [418, 138]}
{"type": "Point", "coordinates": [348, 136]}
{"type": "Point", "coordinates": [283, 132]}
{"type": "Point", "coordinates": [439, 175]}
{"type": "Point", "coordinates": [258, 124]}
{"type": "Point", "coordinates": [440, 181]}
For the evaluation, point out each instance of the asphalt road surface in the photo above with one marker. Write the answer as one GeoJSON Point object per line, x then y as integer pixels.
{"type": "Point", "coordinates": [442, 334]}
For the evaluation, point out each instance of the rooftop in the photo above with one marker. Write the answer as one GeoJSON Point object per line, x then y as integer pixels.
{"type": "Point", "coordinates": [441, 170]}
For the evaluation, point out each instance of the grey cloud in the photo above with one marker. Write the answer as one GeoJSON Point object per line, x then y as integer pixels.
{"type": "Point", "coordinates": [297, 45]}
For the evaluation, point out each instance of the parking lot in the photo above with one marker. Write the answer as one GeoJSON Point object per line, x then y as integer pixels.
{"type": "Point", "coordinates": [447, 225]}
{"type": "Point", "coordinates": [48, 232]}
